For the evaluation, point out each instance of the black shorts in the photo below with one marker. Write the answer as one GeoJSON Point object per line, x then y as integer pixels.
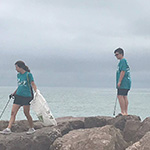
{"type": "Point", "coordinates": [20, 100]}
{"type": "Point", "coordinates": [123, 92]}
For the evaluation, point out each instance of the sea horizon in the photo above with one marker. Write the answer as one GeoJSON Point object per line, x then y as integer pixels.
{"type": "Point", "coordinates": [81, 101]}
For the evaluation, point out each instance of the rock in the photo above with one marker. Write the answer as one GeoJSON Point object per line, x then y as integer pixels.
{"type": "Point", "coordinates": [69, 118]}
{"type": "Point", "coordinates": [64, 127]}
{"type": "Point", "coordinates": [91, 122]}
{"type": "Point", "coordinates": [105, 138]}
{"type": "Point", "coordinates": [40, 140]}
{"type": "Point", "coordinates": [21, 125]}
{"type": "Point", "coordinates": [67, 124]}
{"type": "Point", "coordinates": [128, 126]}
{"type": "Point", "coordinates": [38, 125]}
{"type": "Point", "coordinates": [3, 124]}
{"type": "Point", "coordinates": [78, 133]}
{"type": "Point", "coordinates": [43, 137]}
{"type": "Point", "coordinates": [130, 130]}
{"type": "Point", "coordinates": [144, 128]}
{"type": "Point", "coordinates": [120, 121]}
{"type": "Point", "coordinates": [143, 144]}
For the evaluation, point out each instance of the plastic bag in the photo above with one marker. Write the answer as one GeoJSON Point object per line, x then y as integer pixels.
{"type": "Point", "coordinates": [42, 110]}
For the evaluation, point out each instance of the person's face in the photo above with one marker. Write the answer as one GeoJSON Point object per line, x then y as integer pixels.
{"type": "Point", "coordinates": [118, 55]}
{"type": "Point", "coordinates": [17, 68]}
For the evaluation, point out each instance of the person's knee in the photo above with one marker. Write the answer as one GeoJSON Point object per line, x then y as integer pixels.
{"type": "Point", "coordinates": [13, 113]}
{"type": "Point", "coordinates": [26, 113]}
{"type": "Point", "coordinates": [120, 96]}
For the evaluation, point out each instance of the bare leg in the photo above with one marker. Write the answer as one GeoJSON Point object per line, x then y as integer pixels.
{"type": "Point", "coordinates": [126, 104]}
{"type": "Point", "coordinates": [14, 111]}
{"type": "Point", "coordinates": [26, 109]}
{"type": "Point", "coordinates": [122, 104]}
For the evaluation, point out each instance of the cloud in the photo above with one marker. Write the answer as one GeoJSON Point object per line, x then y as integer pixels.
{"type": "Point", "coordinates": [72, 42]}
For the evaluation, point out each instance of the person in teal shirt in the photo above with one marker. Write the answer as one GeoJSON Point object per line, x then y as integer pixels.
{"type": "Point", "coordinates": [123, 81]}
{"type": "Point", "coordinates": [22, 96]}
{"type": "Point", "coordinates": [24, 86]}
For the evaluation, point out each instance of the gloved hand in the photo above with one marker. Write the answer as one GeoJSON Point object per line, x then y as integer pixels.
{"type": "Point", "coordinates": [10, 96]}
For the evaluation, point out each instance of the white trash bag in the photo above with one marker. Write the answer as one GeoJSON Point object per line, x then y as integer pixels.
{"type": "Point", "coordinates": [42, 110]}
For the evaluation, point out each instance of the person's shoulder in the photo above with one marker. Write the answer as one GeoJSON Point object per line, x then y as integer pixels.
{"type": "Point", "coordinates": [29, 74]}
{"type": "Point", "coordinates": [123, 60]}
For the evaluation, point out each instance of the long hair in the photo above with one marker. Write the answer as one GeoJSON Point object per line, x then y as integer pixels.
{"type": "Point", "coordinates": [22, 65]}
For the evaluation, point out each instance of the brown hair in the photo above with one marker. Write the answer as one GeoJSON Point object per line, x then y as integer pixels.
{"type": "Point", "coordinates": [22, 65]}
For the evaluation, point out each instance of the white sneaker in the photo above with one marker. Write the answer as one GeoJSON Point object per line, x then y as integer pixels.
{"type": "Point", "coordinates": [6, 131]}
{"type": "Point", "coordinates": [31, 131]}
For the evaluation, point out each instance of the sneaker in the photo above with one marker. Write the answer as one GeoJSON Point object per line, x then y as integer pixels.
{"type": "Point", "coordinates": [6, 131]}
{"type": "Point", "coordinates": [31, 131]}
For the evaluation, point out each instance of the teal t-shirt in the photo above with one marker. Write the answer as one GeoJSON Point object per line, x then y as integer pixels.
{"type": "Point", "coordinates": [126, 81]}
{"type": "Point", "coordinates": [24, 84]}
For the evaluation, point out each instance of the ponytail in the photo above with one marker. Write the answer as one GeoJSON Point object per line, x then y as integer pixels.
{"type": "Point", "coordinates": [22, 65]}
{"type": "Point", "coordinates": [26, 68]}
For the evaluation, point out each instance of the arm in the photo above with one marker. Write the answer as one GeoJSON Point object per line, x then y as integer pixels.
{"type": "Point", "coordinates": [121, 77]}
{"type": "Point", "coordinates": [14, 92]}
{"type": "Point", "coordinates": [33, 86]}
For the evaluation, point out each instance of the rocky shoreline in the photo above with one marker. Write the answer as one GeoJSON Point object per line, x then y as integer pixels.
{"type": "Point", "coordinates": [80, 133]}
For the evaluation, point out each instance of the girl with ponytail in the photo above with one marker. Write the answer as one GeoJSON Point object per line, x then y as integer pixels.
{"type": "Point", "coordinates": [23, 96]}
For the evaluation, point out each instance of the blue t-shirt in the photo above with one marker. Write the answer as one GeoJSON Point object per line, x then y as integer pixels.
{"type": "Point", "coordinates": [126, 81]}
{"type": "Point", "coordinates": [24, 84]}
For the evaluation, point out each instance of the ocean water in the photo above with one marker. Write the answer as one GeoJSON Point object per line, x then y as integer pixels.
{"type": "Point", "coordinates": [82, 102]}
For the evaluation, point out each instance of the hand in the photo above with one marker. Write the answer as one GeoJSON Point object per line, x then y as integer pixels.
{"type": "Point", "coordinates": [10, 96]}
{"type": "Point", "coordinates": [119, 84]}
{"type": "Point", "coordinates": [37, 91]}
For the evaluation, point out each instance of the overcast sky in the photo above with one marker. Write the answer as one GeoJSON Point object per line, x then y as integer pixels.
{"type": "Point", "coordinates": [71, 42]}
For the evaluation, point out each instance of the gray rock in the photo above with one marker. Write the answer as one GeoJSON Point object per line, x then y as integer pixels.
{"type": "Point", "coordinates": [105, 138]}
{"type": "Point", "coordinates": [84, 130]}
{"type": "Point", "coordinates": [40, 140]}
{"type": "Point", "coordinates": [3, 124]}
{"type": "Point", "coordinates": [130, 130]}
{"type": "Point", "coordinates": [120, 121]}
{"type": "Point", "coordinates": [143, 144]}
{"type": "Point", "coordinates": [69, 118]}
{"type": "Point", "coordinates": [21, 125]}
{"type": "Point", "coordinates": [67, 124]}
{"type": "Point", "coordinates": [144, 128]}
{"type": "Point", "coordinates": [98, 121]}
{"type": "Point", "coordinates": [43, 137]}
{"type": "Point", "coordinates": [64, 127]}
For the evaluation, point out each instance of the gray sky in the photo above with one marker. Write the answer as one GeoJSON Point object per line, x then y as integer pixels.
{"type": "Point", "coordinates": [71, 42]}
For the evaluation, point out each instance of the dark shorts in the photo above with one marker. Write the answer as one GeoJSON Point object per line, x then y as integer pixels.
{"type": "Point", "coordinates": [123, 92]}
{"type": "Point", "coordinates": [20, 100]}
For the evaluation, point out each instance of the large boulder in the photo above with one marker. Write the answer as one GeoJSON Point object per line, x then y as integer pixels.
{"type": "Point", "coordinates": [69, 118]}
{"type": "Point", "coordinates": [40, 140]}
{"type": "Point", "coordinates": [3, 124]}
{"type": "Point", "coordinates": [130, 130]}
{"type": "Point", "coordinates": [105, 138]}
{"type": "Point", "coordinates": [120, 121]}
{"type": "Point", "coordinates": [88, 133]}
{"type": "Point", "coordinates": [98, 121]}
{"type": "Point", "coordinates": [66, 124]}
{"type": "Point", "coordinates": [128, 126]}
{"type": "Point", "coordinates": [143, 144]}
{"type": "Point", "coordinates": [21, 125]}
{"type": "Point", "coordinates": [144, 128]}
